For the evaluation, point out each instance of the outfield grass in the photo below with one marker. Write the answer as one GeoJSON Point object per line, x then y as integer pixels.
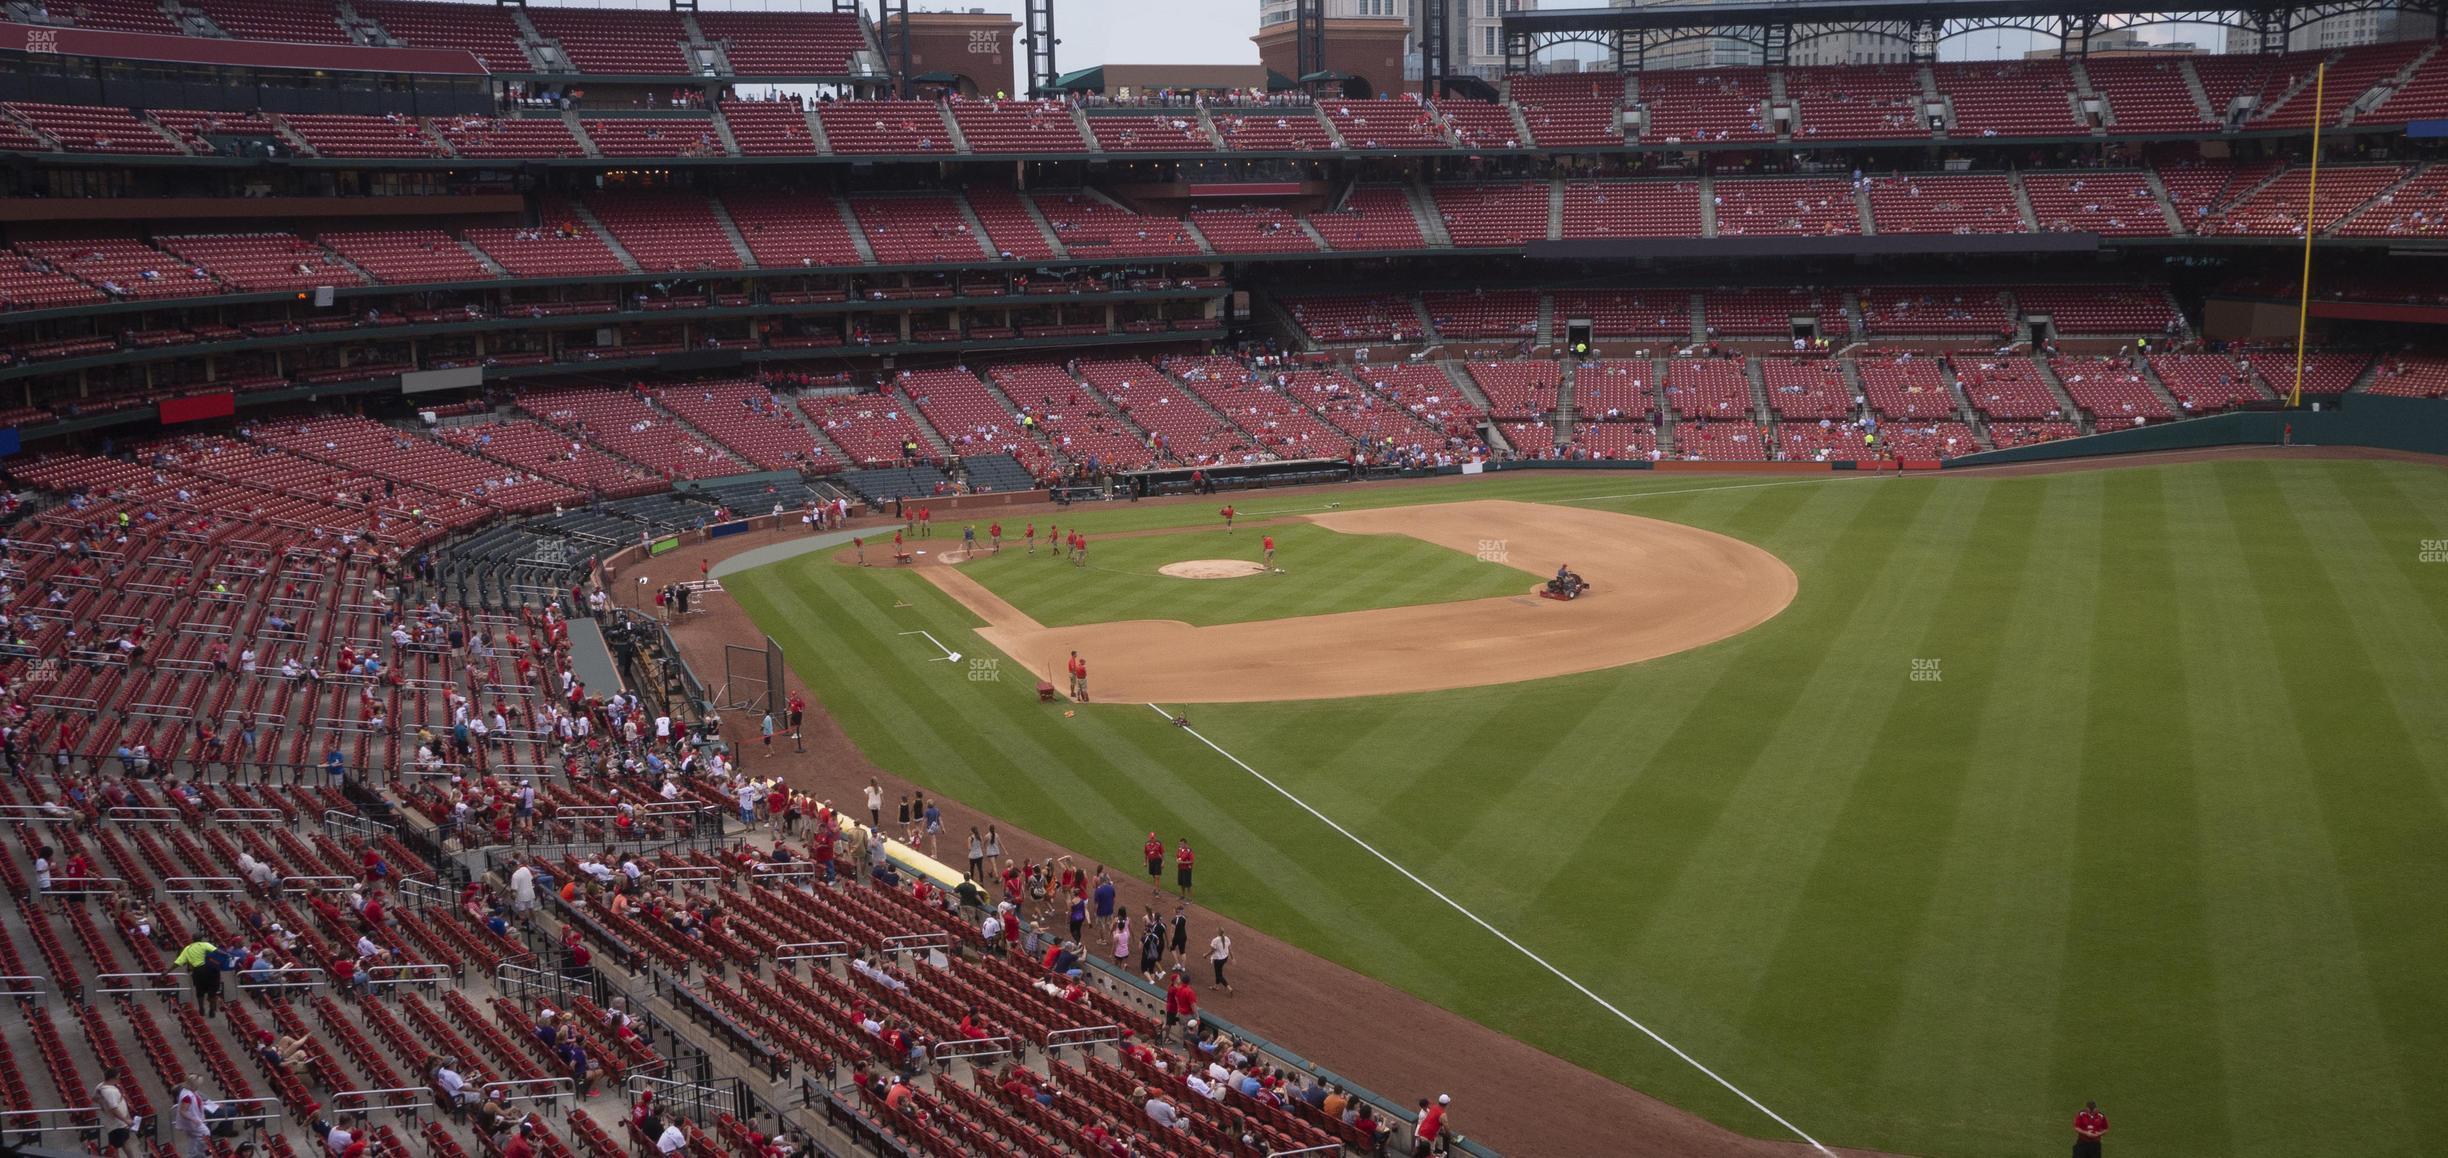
{"type": "Point", "coordinates": [1323, 571]}
{"type": "Point", "coordinates": [2168, 830]}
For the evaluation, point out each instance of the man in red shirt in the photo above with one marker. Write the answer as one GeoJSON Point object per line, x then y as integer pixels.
{"type": "Point", "coordinates": [520, 1146]}
{"type": "Point", "coordinates": [1181, 867]}
{"type": "Point", "coordinates": [1154, 848]}
{"type": "Point", "coordinates": [1079, 676]}
{"type": "Point", "coordinates": [994, 536]}
{"type": "Point", "coordinates": [1269, 544]}
{"type": "Point", "coordinates": [2089, 1127]}
{"type": "Point", "coordinates": [1227, 512]}
{"type": "Point", "coordinates": [1030, 533]}
{"type": "Point", "coordinates": [1181, 1004]}
{"type": "Point", "coordinates": [926, 522]}
{"type": "Point", "coordinates": [1431, 1126]}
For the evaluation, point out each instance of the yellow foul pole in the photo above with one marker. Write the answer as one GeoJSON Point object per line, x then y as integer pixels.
{"type": "Point", "coordinates": [2303, 303]}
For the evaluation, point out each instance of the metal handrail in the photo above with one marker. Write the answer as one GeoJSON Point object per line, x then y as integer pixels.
{"type": "Point", "coordinates": [80, 886]}
{"type": "Point", "coordinates": [688, 872]}
{"type": "Point", "coordinates": [1082, 1035]}
{"type": "Point", "coordinates": [193, 886]}
{"type": "Point", "coordinates": [348, 1100]}
{"type": "Point", "coordinates": [825, 950]}
{"type": "Point", "coordinates": [409, 974]}
{"type": "Point", "coordinates": [248, 816]}
{"type": "Point", "coordinates": [972, 1047]}
{"type": "Point", "coordinates": [288, 978]}
{"type": "Point", "coordinates": [560, 1090]}
{"type": "Point", "coordinates": [164, 983]}
{"type": "Point", "coordinates": [33, 987]}
{"type": "Point", "coordinates": [144, 814]}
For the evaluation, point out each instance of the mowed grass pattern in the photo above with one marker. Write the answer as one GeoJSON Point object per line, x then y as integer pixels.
{"type": "Point", "coordinates": [2167, 829]}
{"type": "Point", "coordinates": [1323, 572]}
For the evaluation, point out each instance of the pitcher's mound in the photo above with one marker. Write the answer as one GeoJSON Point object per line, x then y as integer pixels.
{"type": "Point", "coordinates": [1211, 569]}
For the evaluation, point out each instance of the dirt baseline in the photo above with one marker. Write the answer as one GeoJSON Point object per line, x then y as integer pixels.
{"type": "Point", "coordinates": [1658, 588]}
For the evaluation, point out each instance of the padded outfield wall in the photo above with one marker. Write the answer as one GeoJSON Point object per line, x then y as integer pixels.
{"type": "Point", "coordinates": [2413, 424]}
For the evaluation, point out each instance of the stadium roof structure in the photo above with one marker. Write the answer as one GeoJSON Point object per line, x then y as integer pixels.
{"type": "Point", "coordinates": [1775, 26]}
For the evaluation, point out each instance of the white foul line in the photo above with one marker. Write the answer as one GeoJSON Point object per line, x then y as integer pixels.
{"type": "Point", "coordinates": [1524, 950]}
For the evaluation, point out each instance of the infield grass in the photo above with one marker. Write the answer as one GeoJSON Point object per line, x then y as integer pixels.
{"type": "Point", "coordinates": [2169, 827]}
{"type": "Point", "coordinates": [1322, 572]}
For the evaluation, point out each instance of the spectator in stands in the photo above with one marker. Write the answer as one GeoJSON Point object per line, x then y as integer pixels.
{"type": "Point", "coordinates": [187, 1119]}
{"type": "Point", "coordinates": [112, 1112]}
{"type": "Point", "coordinates": [203, 963]}
{"type": "Point", "coordinates": [287, 1053]}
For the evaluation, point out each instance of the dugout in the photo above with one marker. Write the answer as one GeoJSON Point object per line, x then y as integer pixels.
{"type": "Point", "coordinates": [1244, 476]}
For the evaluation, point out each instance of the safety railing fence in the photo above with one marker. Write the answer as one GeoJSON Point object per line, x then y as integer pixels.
{"type": "Point", "coordinates": [284, 982]}
{"type": "Point", "coordinates": [397, 1099]}
{"type": "Point", "coordinates": [28, 1127]}
{"type": "Point", "coordinates": [428, 973]}
{"type": "Point", "coordinates": [36, 989]}
{"type": "Point", "coordinates": [553, 1094]}
{"type": "Point", "coordinates": [135, 985]}
{"type": "Point", "coordinates": [202, 886]}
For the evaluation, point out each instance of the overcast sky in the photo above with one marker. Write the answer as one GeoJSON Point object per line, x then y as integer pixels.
{"type": "Point", "coordinates": [1093, 32]}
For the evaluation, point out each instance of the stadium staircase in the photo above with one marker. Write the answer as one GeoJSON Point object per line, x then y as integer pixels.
{"type": "Point", "coordinates": [1215, 136]}
{"type": "Point", "coordinates": [2201, 96]}
{"type": "Point", "coordinates": [1555, 210]}
{"type": "Point", "coordinates": [1427, 324]}
{"type": "Point", "coordinates": [577, 130]}
{"type": "Point", "coordinates": [977, 228]}
{"type": "Point", "coordinates": [730, 228]}
{"type": "Point", "coordinates": [2056, 389]}
{"type": "Point", "coordinates": [952, 133]}
{"type": "Point", "coordinates": [542, 51]}
{"type": "Point", "coordinates": [2158, 385]}
{"type": "Point", "coordinates": [1521, 128]}
{"type": "Point", "coordinates": [586, 217]}
{"type": "Point", "coordinates": [1189, 228]}
{"type": "Point", "coordinates": [1861, 209]}
{"type": "Point", "coordinates": [1087, 136]}
{"type": "Point", "coordinates": [2302, 85]}
{"type": "Point", "coordinates": [789, 406]}
{"type": "Point", "coordinates": [2167, 204]}
{"type": "Point", "coordinates": [2377, 199]}
{"type": "Point", "coordinates": [1759, 387]}
{"type": "Point", "coordinates": [482, 258]}
{"type": "Point", "coordinates": [192, 21]}
{"type": "Point", "coordinates": [1045, 228]}
{"type": "Point", "coordinates": [295, 141]}
{"type": "Point", "coordinates": [1544, 336]}
{"type": "Point", "coordinates": [1424, 211]}
{"type": "Point", "coordinates": [1332, 132]}
{"type": "Point", "coordinates": [2081, 95]}
{"type": "Point", "coordinates": [1931, 96]}
{"type": "Point", "coordinates": [815, 128]}
{"type": "Point", "coordinates": [850, 221]}
{"type": "Point", "coordinates": [730, 144]}
{"type": "Point", "coordinates": [1193, 396]}
{"type": "Point", "coordinates": [1708, 206]}
{"type": "Point", "coordinates": [943, 449]}
{"type": "Point", "coordinates": [2022, 200]}
{"type": "Point", "coordinates": [1317, 238]}
{"type": "Point", "coordinates": [2379, 94]}
{"type": "Point", "coordinates": [1699, 320]}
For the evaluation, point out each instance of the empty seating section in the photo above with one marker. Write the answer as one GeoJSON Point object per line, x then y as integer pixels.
{"type": "Point", "coordinates": [1275, 420]}
{"type": "Point", "coordinates": [484, 137]}
{"type": "Point", "coordinates": [1017, 126]}
{"type": "Point", "coordinates": [768, 128]}
{"type": "Point", "coordinates": [1538, 439]}
{"type": "Point", "coordinates": [2411, 376]}
{"type": "Point", "coordinates": [654, 136]}
{"type": "Point", "coordinates": [1758, 313]}
{"type": "Point", "coordinates": [1617, 440]}
{"type": "Point", "coordinates": [2418, 208]}
{"type": "Point", "coordinates": [29, 284]}
{"type": "Point", "coordinates": [1705, 105]}
{"type": "Point", "coordinates": [283, 20]}
{"type": "Point", "coordinates": [343, 135]}
{"type": "Point", "coordinates": [1786, 207]}
{"type": "Point", "coordinates": [666, 230]}
{"type": "Point", "coordinates": [557, 250]}
{"type": "Point", "coordinates": [2017, 98]}
{"type": "Point", "coordinates": [1621, 390]}
{"type": "Point", "coordinates": [917, 229]}
{"type": "Point", "coordinates": [1498, 215]}
{"type": "Point", "coordinates": [2100, 310]}
{"type": "Point", "coordinates": [2110, 390]}
{"type": "Point", "coordinates": [92, 129]}
{"type": "Point", "coordinates": [2199, 190]}
{"type": "Point", "coordinates": [2007, 387]}
{"type": "Point", "coordinates": [2146, 96]}
{"type": "Point", "coordinates": [785, 43]}
{"type": "Point", "coordinates": [872, 429]}
{"type": "Point", "coordinates": [1564, 111]}
{"type": "Point", "coordinates": [1252, 230]}
{"type": "Point", "coordinates": [620, 421]}
{"type": "Point", "coordinates": [556, 455]}
{"type": "Point", "coordinates": [1157, 133]}
{"type": "Point", "coordinates": [1921, 441]}
{"type": "Point", "coordinates": [1891, 310]}
{"type": "Point", "coordinates": [1272, 130]}
{"type": "Point", "coordinates": [636, 41]}
{"type": "Point", "coordinates": [123, 268]}
{"type": "Point", "coordinates": [1714, 389]}
{"type": "Point", "coordinates": [1392, 124]}
{"type": "Point", "coordinates": [2277, 209]}
{"type": "Point", "coordinates": [1906, 387]}
{"type": "Point", "coordinates": [2351, 74]}
{"type": "Point", "coordinates": [1806, 389]}
{"type": "Point", "coordinates": [2225, 79]}
{"type": "Point", "coordinates": [1632, 209]}
{"type": "Point", "coordinates": [971, 419]}
{"type": "Point", "coordinates": [1480, 125]}
{"type": "Point", "coordinates": [2424, 96]}
{"type": "Point", "coordinates": [2323, 374]}
{"type": "Point", "coordinates": [1354, 317]}
{"type": "Point", "coordinates": [785, 228]}
{"type": "Point", "coordinates": [746, 419]}
{"type": "Point", "coordinates": [1483, 314]}
{"type": "Point", "coordinates": [402, 256]}
{"type": "Point", "coordinates": [1010, 227]}
{"type": "Point", "coordinates": [1856, 103]}
{"type": "Point", "coordinates": [1518, 390]}
{"type": "Point", "coordinates": [18, 138]}
{"type": "Point", "coordinates": [1089, 226]}
{"type": "Point", "coordinates": [262, 262]}
{"type": "Point", "coordinates": [1715, 441]}
{"type": "Point", "coordinates": [1373, 217]}
{"type": "Point", "coordinates": [1945, 203]}
{"type": "Point", "coordinates": [484, 29]}
{"type": "Point", "coordinates": [2205, 383]}
{"type": "Point", "coordinates": [402, 458]}
{"type": "Point", "coordinates": [895, 127]}
{"type": "Point", "coordinates": [2110, 204]}
{"type": "Point", "coordinates": [1628, 313]}
{"type": "Point", "coordinates": [1187, 432]}
{"type": "Point", "coordinates": [117, 16]}
{"type": "Point", "coordinates": [1076, 421]}
{"type": "Point", "coordinates": [194, 126]}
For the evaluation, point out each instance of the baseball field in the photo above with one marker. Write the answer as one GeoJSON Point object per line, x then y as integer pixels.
{"type": "Point", "coordinates": [1920, 810]}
